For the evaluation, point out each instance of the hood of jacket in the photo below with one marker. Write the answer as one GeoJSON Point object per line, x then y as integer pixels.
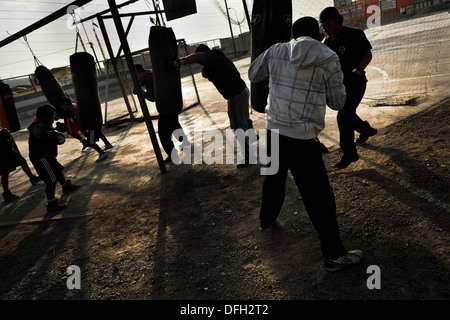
{"type": "Point", "coordinates": [32, 124]}
{"type": "Point", "coordinates": [305, 52]}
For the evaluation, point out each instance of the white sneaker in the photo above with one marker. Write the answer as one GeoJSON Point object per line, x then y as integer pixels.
{"type": "Point", "coordinates": [351, 258]}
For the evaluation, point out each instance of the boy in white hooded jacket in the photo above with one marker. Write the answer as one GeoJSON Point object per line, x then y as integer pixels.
{"type": "Point", "coordinates": [304, 76]}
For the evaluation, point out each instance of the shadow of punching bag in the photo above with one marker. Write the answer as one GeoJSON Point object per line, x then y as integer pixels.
{"type": "Point", "coordinates": [84, 78]}
{"type": "Point", "coordinates": [52, 90]}
{"type": "Point", "coordinates": [9, 118]}
{"type": "Point", "coordinates": [167, 81]}
{"type": "Point", "coordinates": [271, 23]}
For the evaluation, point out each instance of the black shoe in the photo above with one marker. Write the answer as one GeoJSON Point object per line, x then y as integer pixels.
{"type": "Point", "coordinates": [54, 206]}
{"type": "Point", "coordinates": [8, 196]}
{"type": "Point", "coordinates": [346, 161]}
{"type": "Point", "coordinates": [34, 180]}
{"type": "Point", "coordinates": [69, 186]}
{"type": "Point", "coordinates": [366, 134]}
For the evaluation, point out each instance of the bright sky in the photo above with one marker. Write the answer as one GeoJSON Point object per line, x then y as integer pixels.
{"type": "Point", "coordinates": [55, 42]}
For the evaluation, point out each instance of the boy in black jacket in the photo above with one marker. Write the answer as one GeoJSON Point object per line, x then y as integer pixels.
{"type": "Point", "coordinates": [43, 150]}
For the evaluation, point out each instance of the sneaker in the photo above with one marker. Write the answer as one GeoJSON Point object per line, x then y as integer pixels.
{"type": "Point", "coordinates": [168, 160]}
{"type": "Point", "coordinates": [366, 134]}
{"type": "Point", "coordinates": [68, 187]}
{"type": "Point", "coordinates": [346, 161]}
{"type": "Point", "coordinates": [8, 196]}
{"type": "Point", "coordinates": [351, 258]}
{"type": "Point", "coordinates": [34, 180]}
{"type": "Point", "coordinates": [85, 144]}
{"type": "Point", "coordinates": [53, 206]}
{"type": "Point", "coordinates": [101, 157]}
{"type": "Point", "coordinates": [107, 147]}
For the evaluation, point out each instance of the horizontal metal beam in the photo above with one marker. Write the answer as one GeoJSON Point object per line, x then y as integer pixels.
{"type": "Point", "coordinates": [104, 11]}
{"type": "Point", "coordinates": [39, 24]}
{"type": "Point", "coordinates": [134, 14]}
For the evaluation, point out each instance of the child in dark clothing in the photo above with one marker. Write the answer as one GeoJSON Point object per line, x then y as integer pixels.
{"type": "Point", "coordinates": [10, 159]}
{"type": "Point", "coordinates": [43, 146]}
{"type": "Point", "coordinates": [73, 128]}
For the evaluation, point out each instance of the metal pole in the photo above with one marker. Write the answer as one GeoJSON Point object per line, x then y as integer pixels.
{"type": "Point", "coordinates": [114, 63]}
{"type": "Point", "coordinates": [102, 13]}
{"type": "Point", "coordinates": [50, 18]}
{"type": "Point", "coordinates": [137, 85]}
{"type": "Point", "coordinates": [126, 34]}
{"type": "Point", "coordinates": [247, 15]}
{"type": "Point", "coordinates": [240, 30]}
{"type": "Point", "coordinates": [231, 29]}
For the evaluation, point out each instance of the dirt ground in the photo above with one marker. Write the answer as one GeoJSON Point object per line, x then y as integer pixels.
{"type": "Point", "coordinates": [193, 234]}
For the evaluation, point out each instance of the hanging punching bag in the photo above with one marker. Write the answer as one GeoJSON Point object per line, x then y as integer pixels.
{"type": "Point", "coordinates": [9, 118]}
{"type": "Point", "coordinates": [271, 23]}
{"type": "Point", "coordinates": [167, 80]}
{"type": "Point", "coordinates": [52, 90]}
{"type": "Point", "coordinates": [84, 78]}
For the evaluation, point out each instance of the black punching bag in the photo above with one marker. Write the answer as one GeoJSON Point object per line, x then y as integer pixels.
{"type": "Point", "coordinates": [167, 80]}
{"type": "Point", "coordinates": [271, 23]}
{"type": "Point", "coordinates": [52, 90]}
{"type": "Point", "coordinates": [9, 118]}
{"type": "Point", "coordinates": [84, 78]}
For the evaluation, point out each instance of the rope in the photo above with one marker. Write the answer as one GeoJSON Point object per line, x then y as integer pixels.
{"type": "Point", "coordinates": [78, 35]}
{"type": "Point", "coordinates": [36, 60]}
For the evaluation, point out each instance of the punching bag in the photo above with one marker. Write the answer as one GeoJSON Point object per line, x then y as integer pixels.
{"type": "Point", "coordinates": [52, 90]}
{"type": "Point", "coordinates": [167, 80]}
{"type": "Point", "coordinates": [84, 78]}
{"type": "Point", "coordinates": [9, 118]}
{"type": "Point", "coordinates": [271, 23]}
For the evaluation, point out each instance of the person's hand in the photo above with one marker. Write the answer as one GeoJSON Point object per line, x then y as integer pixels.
{"type": "Point", "coordinates": [61, 127]}
{"type": "Point", "coordinates": [59, 138]}
{"type": "Point", "coordinates": [175, 63]}
{"type": "Point", "coordinates": [360, 74]}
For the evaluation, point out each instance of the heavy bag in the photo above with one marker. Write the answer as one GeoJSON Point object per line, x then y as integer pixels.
{"type": "Point", "coordinates": [167, 81]}
{"type": "Point", "coordinates": [271, 23]}
{"type": "Point", "coordinates": [84, 78]}
{"type": "Point", "coordinates": [52, 90]}
{"type": "Point", "coordinates": [9, 118]}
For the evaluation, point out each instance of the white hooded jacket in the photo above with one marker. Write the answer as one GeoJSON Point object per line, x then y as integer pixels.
{"type": "Point", "coordinates": [304, 76]}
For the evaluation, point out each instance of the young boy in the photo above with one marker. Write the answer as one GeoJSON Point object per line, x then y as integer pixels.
{"type": "Point", "coordinates": [43, 148]}
{"type": "Point", "coordinates": [10, 159]}
{"type": "Point", "coordinates": [73, 129]}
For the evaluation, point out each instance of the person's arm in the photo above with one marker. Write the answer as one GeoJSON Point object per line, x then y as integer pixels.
{"type": "Point", "coordinates": [365, 48]}
{"type": "Point", "coordinates": [74, 114]}
{"type": "Point", "coordinates": [335, 89]}
{"type": "Point", "coordinates": [192, 58]}
{"type": "Point", "coordinates": [259, 69]}
{"type": "Point", "coordinates": [43, 133]}
{"type": "Point", "coordinates": [367, 57]}
{"type": "Point", "coordinates": [14, 145]}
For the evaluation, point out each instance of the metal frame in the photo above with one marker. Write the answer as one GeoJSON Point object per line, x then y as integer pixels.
{"type": "Point", "coordinates": [113, 8]}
